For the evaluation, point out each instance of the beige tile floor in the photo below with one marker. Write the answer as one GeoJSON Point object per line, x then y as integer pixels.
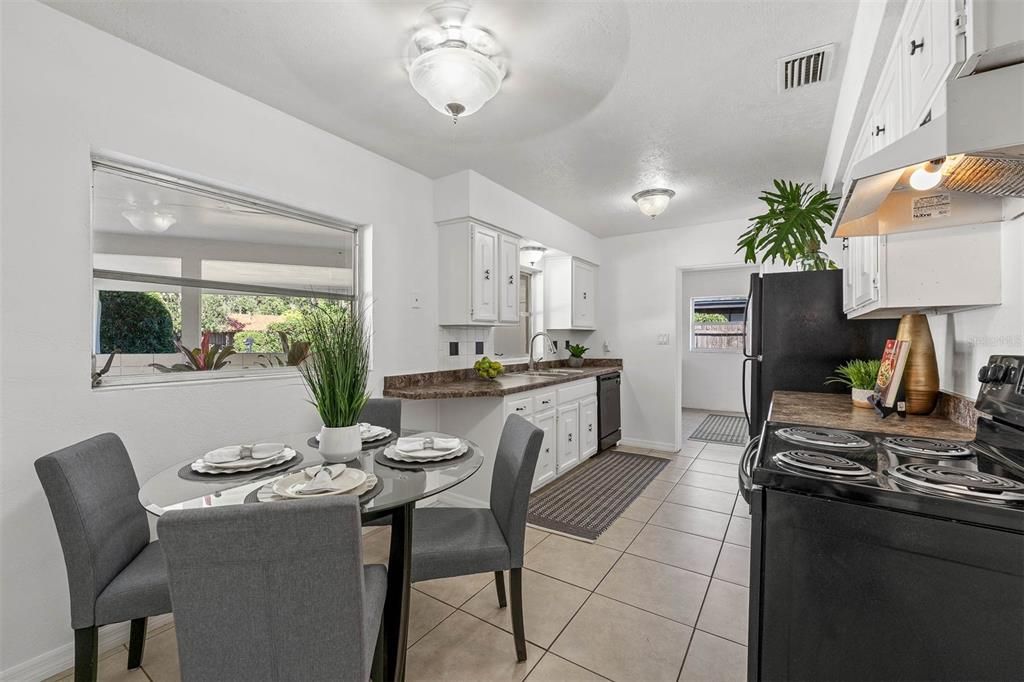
{"type": "Point", "coordinates": [662, 595]}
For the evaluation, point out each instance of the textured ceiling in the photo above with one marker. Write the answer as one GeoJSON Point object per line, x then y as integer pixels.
{"type": "Point", "coordinates": [602, 99]}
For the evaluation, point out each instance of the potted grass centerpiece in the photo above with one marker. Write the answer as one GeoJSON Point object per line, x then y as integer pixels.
{"type": "Point", "coordinates": [860, 376]}
{"type": "Point", "coordinates": [336, 372]}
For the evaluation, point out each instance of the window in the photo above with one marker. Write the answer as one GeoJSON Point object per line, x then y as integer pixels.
{"type": "Point", "coordinates": [717, 324]}
{"type": "Point", "coordinates": [513, 342]}
{"type": "Point", "coordinates": [194, 282]}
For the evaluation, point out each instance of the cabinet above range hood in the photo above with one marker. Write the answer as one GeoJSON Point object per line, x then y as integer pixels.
{"type": "Point", "coordinates": [977, 147]}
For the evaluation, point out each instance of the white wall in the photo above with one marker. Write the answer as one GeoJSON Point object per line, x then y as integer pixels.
{"type": "Point", "coordinates": [467, 193]}
{"type": "Point", "coordinates": [964, 341]}
{"type": "Point", "coordinates": [711, 381]}
{"type": "Point", "coordinates": [69, 89]}
{"type": "Point", "coordinates": [637, 302]}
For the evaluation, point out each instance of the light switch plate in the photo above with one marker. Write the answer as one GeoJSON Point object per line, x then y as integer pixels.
{"type": "Point", "coordinates": [662, 339]}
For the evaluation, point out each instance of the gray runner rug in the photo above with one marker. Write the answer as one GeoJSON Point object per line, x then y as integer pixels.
{"type": "Point", "coordinates": [721, 428]}
{"type": "Point", "coordinates": [588, 499]}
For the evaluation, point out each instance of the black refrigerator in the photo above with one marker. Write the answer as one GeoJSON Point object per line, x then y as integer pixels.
{"type": "Point", "coordinates": [796, 336]}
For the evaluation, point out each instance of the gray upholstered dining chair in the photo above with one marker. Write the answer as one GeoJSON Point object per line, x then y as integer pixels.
{"type": "Point", "coordinates": [449, 542]}
{"type": "Point", "coordinates": [115, 573]}
{"type": "Point", "coordinates": [385, 412]}
{"type": "Point", "coordinates": [274, 591]}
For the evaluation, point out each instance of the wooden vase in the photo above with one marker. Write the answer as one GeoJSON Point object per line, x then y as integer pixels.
{"type": "Point", "coordinates": [921, 376]}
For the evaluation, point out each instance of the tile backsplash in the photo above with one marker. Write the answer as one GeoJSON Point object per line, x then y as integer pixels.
{"type": "Point", "coordinates": [460, 347]}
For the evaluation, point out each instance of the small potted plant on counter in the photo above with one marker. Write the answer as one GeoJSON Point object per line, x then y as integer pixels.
{"type": "Point", "coordinates": [576, 352]}
{"type": "Point", "coordinates": [860, 376]}
{"type": "Point", "coordinates": [336, 372]}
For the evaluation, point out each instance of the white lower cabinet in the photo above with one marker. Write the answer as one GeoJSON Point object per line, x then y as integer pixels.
{"type": "Point", "coordinates": [546, 459]}
{"type": "Point", "coordinates": [566, 413]}
{"type": "Point", "coordinates": [588, 427]}
{"type": "Point", "coordinates": [568, 436]}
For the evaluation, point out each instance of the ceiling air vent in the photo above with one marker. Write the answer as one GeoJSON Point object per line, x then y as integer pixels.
{"type": "Point", "coordinates": [806, 68]}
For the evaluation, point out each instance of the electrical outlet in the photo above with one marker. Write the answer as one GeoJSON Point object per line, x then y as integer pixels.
{"type": "Point", "coordinates": [662, 339]}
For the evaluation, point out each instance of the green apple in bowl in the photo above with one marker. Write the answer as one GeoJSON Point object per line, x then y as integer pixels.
{"type": "Point", "coordinates": [487, 368]}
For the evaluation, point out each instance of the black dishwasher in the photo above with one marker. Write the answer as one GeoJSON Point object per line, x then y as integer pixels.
{"type": "Point", "coordinates": [609, 420]}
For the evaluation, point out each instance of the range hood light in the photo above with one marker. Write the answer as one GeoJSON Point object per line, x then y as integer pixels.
{"type": "Point", "coordinates": [928, 175]}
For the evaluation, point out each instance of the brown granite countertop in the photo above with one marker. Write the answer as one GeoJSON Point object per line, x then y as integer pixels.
{"type": "Point", "coordinates": [833, 410]}
{"type": "Point", "coordinates": [465, 383]}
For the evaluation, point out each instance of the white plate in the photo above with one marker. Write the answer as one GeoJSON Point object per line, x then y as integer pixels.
{"type": "Point", "coordinates": [375, 433]}
{"type": "Point", "coordinates": [241, 465]}
{"type": "Point", "coordinates": [392, 453]}
{"type": "Point", "coordinates": [347, 481]}
{"type": "Point", "coordinates": [430, 453]}
{"type": "Point", "coordinates": [220, 456]}
{"type": "Point", "coordinates": [267, 494]}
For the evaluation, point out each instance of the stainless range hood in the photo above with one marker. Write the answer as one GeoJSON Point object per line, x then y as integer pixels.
{"type": "Point", "coordinates": [978, 145]}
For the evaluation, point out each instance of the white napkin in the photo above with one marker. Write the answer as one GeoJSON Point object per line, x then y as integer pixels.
{"type": "Point", "coordinates": [321, 479]}
{"type": "Point", "coordinates": [415, 443]}
{"type": "Point", "coordinates": [223, 455]}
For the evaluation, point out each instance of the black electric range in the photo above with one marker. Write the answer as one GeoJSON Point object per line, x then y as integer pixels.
{"type": "Point", "coordinates": [890, 557]}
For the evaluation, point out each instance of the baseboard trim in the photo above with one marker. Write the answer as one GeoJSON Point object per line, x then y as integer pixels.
{"type": "Point", "coordinates": [62, 658]}
{"type": "Point", "coordinates": [651, 444]}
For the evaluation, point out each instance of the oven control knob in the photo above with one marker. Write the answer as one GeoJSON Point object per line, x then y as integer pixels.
{"type": "Point", "coordinates": [983, 375]}
{"type": "Point", "coordinates": [996, 373]}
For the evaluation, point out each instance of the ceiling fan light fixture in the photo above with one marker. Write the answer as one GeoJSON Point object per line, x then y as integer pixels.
{"type": "Point", "coordinates": [462, 72]}
{"type": "Point", "coordinates": [653, 202]}
{"type": "Point", "coordinates": [151, 221]}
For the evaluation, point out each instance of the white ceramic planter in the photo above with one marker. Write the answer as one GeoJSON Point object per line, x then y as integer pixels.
{"type": "Point", "coordinates": [860, 397]}
{"type": "Point", "coordinates": [340, 444]}
{"type": "Point", "coordinates": [575, 362]}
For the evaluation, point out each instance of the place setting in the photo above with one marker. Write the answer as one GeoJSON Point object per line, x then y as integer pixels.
{"type": "Point", "coordinates": [422, 451]}
{"type": "Point", "coordinates": [241, 461]}
{"type": "Point", "coordinates": [319, 481]}
{"type": "Point", "coordinates": [372, 436]}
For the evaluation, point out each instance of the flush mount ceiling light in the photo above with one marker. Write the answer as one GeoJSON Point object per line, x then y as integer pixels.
{"type": "Point", "coordinates": [928, 175]}
{"type": "Point", "coordinates": [533, 253]}
{"type": "Point", "coordinates": [653, 202]}
{"type": "Point", "coordinates": [456, 67]}
{"type": "Point", "coordinates": [148, 220]}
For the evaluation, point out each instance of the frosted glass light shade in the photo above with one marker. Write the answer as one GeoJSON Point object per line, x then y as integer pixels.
{"type": "Point", "coordinates": [149, 221]}
{"type": "Point", "coordinates": [653, 202]}
{"type": "Point", "coordinates": [454, 80]}
{"type": "Point", "coordinates": [927, 176]}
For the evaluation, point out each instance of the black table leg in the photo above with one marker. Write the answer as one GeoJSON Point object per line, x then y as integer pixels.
{"type": "Point", "coordinates": [396, 605]}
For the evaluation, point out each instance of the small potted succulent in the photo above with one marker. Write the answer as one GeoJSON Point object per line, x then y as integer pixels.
{"type": "Point", "coordinates": [336, 371]}
{"type": "Point", "coordinates": [576, 352]}
{"type": "Point", "coordinates": [860, 376]}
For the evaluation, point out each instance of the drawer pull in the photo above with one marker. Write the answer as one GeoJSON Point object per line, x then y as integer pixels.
{"type": "Point", "coordinates": [915, 46]}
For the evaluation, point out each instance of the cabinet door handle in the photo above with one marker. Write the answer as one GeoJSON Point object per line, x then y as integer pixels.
{"type": "Point", "coordinates": [520, 409]}
{"type": "Point", "coordinates": [915, 46]}
{"type": "Point", "coordinates": [584, 295]}
{"type": "Point", "coordinates": [879, 130]}
{"type": "Point", "coordinates": [487, 273]}
{"type": "Point", "coordinates": [545, 402]}
{"type": "Point", "coordinates": [570, 437]}
{"type": "Point", "coordinates": [548, 450]}
{"type": "Point", "coordinates": [590, 427]}
{"type": "Point", "coordinates": [511, 279]}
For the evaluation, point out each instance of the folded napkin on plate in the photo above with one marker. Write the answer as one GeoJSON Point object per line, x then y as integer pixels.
{"type": "Point", "coordinates": [223, 455]}
{"type": "Point", "coordinates": [321, 478]}
{"type": "Point", "coordinates": [415, 443]}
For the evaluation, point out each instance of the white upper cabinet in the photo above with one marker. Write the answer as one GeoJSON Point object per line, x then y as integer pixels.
{"type": "Point", "coordinates": [570, 293]}
{"type": "Point", "coordinates": [484, 274]}
{"type": "Point", "coordinates": [886, 122]}
{"type": "Point", "coordinates": [476, 261]}
{"type": "Point", "coordinates": [925, 40]}
{"type": "Point", "coordinates": [508, 279]}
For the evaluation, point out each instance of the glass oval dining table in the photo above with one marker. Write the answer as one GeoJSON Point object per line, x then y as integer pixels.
{"type": "Point", "coordinates": [400, 486]}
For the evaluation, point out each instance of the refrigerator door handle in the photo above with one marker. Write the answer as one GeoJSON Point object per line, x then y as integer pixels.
{"type": "Point", "coordinates": [743, 384]}
{"type": "Point", "coordinates": [748, 330]}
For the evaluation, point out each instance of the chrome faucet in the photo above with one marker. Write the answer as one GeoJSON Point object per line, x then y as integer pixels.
{"type": "Point", "coordinates": [551, 344]}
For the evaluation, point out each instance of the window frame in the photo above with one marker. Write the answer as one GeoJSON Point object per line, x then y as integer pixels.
{"type": "Point", "coordinates": [219, 193]}
{"type": "Point", "coordinates": [692, 337]}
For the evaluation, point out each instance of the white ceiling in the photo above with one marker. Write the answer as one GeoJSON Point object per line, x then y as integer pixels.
{"type": "Point", "coordinates": [602, 99]}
